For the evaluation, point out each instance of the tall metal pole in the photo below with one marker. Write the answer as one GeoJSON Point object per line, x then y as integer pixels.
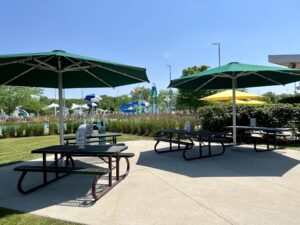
{"type": "Point", "coordinates": [219, 51]}
{"type": "Point", "coordinates": [170, 90]}
{"type": "Point", "coordinates": [234, 112]}
{"type": "Point", "coordinates": [61, 103]}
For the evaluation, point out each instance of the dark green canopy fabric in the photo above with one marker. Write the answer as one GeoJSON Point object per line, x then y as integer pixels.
{"type": "Point", "coordinates": [59, 69]}
{"type": "Point", "coordinates": [246, 76]}
{"type": "Point", "coordinates": [41, 70]}
{"type": "Point", "coordinates": [237, 75]}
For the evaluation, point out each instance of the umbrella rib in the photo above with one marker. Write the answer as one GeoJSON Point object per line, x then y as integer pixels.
{"type": "Point", "coordinates": [186, 81]}
{"type": "Point", "coordinates": [45, 62]}
{"type": "Point", "coordinates": [205, 83]}
{"type": "Point", "coordinates": [289, 73]}
{"type": "Point", "coordinates": [244, 74]}
{"type": "Point", "coordinates": [77, 69]}
{"type": "Point", "coordinates": [70, 67]}
{"type": "Point", "coordinates": [115, 71]}
{"type": "Point", "coordinates": [268, 79]}
{"type": "Point", "coordinates": [89, 72]}
{"type": "Point", "coordinates": [16, 77]}
{"type": "Point", "coordinates": [38, 66]}
{"type": "Point", "coordinates": [15, 61]}
{"type": "Point", "coordinates": [23, 73]}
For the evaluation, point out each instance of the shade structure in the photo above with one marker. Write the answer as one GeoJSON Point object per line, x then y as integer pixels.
{"type": "Point", "coordinates": [240, 102]}
{"type": "Point", "coordinates": [51, 106]}
{"type": "Point", "coordinates": [92, 104]}
{"type": "Point", "coordinates": [227, 95]}
{"type": "Point", "coordinates": [256, 102]}
{"type": "Point", "coordinates": [237, 75]}
{"type": "Point", "coordinates": [75, 106]}
{"type": "Point", "coordinates": [59, 69]}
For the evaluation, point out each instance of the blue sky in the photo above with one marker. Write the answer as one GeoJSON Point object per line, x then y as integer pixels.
{"type": "Point", "coordinates": [155, 33]}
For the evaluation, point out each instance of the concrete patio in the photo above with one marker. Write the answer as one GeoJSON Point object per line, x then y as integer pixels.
{"type": "Point", "coordinates": [240, 187]}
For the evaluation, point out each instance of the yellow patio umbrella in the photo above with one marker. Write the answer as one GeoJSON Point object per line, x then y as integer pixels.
{"type": "Point", "coordinates": [255, 102]}
{"type": "Point", "coordinates": [241, 102]}
{"type": "Point", "coordinates": [227, 95]}
{"type": "Point", "coordinates": [251, 102]}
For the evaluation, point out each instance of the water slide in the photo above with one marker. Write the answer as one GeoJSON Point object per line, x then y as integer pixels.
{"type": "Point", "coordinates": [132, 107]}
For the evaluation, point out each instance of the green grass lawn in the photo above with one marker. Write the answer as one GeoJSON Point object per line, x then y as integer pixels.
{"type": "Point", "coordinates": [12, 217]}
{"type": "Point", "coordinates": [14, 150]}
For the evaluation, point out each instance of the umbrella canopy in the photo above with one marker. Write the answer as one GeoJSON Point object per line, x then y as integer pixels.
{"type": "Point", "coordinates": [255, 102]}
{"type": "Point", "coordinates": [92, 104]}
{"type": "Point", "coordinates": [75, 106]}
{"type": "Point", "coordinates": [227, 95]}
{"type": "Point", "coordinates": [233, 75]}
{"type": "Point", "coordinates": [59, 69]}
{"type": "Point", "coordinates": [244, 75]}
{"type": "Point", "coordinates": [96, 99]}
{"type": "Point", "coordinates": [51, 106]}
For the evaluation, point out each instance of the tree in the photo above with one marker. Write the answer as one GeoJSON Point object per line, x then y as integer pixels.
{"type": "Point", "coordinates": [11, 97]}
{"type": "Point", "coordinates": [163, 99]}
{"type": "Point", "coordinates": [270, 97]}
{"type": "Point", "coordinates": [188, 99]}
{"type": "Point", "coordinates": [145, 92]}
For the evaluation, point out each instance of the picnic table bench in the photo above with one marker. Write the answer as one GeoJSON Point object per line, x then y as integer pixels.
{"type": "Point", "coordinates": [103, 151]}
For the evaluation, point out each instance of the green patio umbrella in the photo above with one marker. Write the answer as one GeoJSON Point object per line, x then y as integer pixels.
{"type": "Point", "coordinates": [59, 69]}
{"type": "Point", "coordinates": [236, 75]}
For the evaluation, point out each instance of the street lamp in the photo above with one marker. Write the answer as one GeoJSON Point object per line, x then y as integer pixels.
{"type": "Point", "coordinates": [219, 51]}
{"type": "Point", "coordinates": [170, 90]}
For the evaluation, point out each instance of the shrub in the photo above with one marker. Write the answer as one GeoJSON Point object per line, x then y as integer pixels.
{"type": "Point", "coordinates": [215, 118]}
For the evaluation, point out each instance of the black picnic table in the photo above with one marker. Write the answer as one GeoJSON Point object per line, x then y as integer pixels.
{"type": "Point", "coordinates": [187, 138]}
{"type": "Point", "coordinates": [113, 135]}
{"type": "Point", "coordinates": [105, 152]}
{"type": "Point", "coordinates": [270, 133]}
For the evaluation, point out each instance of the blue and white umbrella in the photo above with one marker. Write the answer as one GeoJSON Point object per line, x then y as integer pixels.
{"type": "Point", "coordinates": [93, 98]}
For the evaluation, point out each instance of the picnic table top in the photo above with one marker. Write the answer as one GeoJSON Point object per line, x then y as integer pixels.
{"type": "Point", "coordinates": [266, 129]}
{"type": "Point", "coordinates": [112, 134]}
{"type": "Point", "coordinates": [90, 150]}
{"type": "Point", "coordinates": [192, 133]}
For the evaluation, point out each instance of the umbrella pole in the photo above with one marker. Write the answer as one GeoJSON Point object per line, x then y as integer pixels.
{"type": "Point", "coordinates": [61, 109]}
{"type": "Point", "coordinates": [234, 112]}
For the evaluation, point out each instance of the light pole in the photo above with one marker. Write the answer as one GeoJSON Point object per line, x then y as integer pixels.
{"type": "Point", "coordinates": [170, 90]}
{"type": "Point", "coordinates": [219, 51]}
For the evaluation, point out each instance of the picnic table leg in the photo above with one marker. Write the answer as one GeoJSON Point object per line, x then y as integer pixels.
{"type": "Point", "coordinates": [117, 167]}
{"type": "Point", "coordinates": [44, 165]}
{"type": "Point", "coordinates": [275, 142]}
{"type": "Point", "coordinates": [200, 146]}
{"type": "Point", "coordinates": [55, 163]}
{"type": "Point", "coordinates": [170, 141]}
{"type": "Point", "coordinates": [110, 171]}
{"type": "Point", "coordinates": [268, 141]}
{"type": "Point", "coordinates": [209, 146]}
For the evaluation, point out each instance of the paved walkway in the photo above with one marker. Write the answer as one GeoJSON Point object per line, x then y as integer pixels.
{"type": "Point", "coordinates": [240, 187]}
